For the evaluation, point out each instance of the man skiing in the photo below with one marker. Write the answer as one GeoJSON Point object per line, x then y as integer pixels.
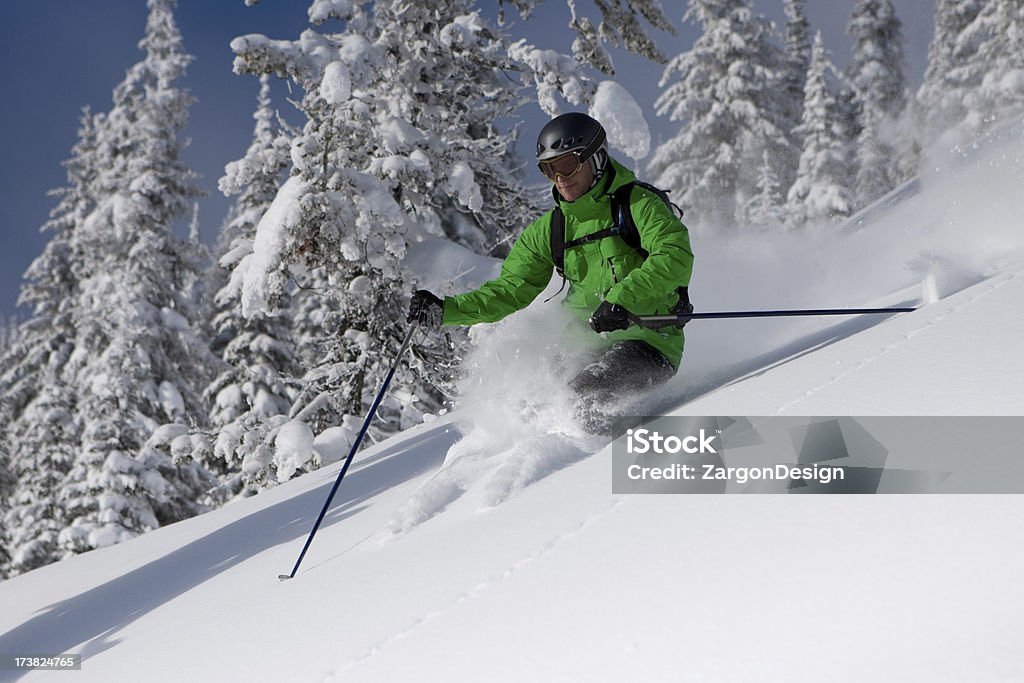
{"type": "Point", "coordinates": [611, 275]}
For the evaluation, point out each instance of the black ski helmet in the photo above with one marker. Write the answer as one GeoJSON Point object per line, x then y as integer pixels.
{"type": "Point", "coordinates": [573, 132]}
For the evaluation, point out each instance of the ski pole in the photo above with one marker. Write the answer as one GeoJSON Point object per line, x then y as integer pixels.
{"type": "Point", "coordinates": [352, 452]}
{"type": "Point", "coordinates": [655, 321]}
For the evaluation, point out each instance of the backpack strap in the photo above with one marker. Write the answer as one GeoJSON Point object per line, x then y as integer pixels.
{"type": "Point", "coordinates": [558, 240]}
{"type": "Point", "coordinates": [622, 218]}
{"type": "Point", "coordinates": [622, 226]}
{"type": "Point", "coordinates": [558, 247]}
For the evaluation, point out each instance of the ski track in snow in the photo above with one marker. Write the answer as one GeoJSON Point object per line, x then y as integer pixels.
{"type": "Point", "coordinates": [996, 283]}
{"type": "Point", "coordinates": [499, 454]}
{"type": "Point", "coordinates": [503, 474]}
{"type": "Point", "coordinates": [476, 591]}
{"type": "Point", "coordinates": [528, 463]}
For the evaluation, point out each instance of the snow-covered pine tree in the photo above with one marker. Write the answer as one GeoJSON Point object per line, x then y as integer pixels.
{"type": "Point", "coordinates": [44, 440]}
{"type": "Point", "coordinates": [197, 264]}
{"type": "Point", "coordinates": [258, 353]}
{"type": "Point", "coordinates": [454, 69]}
{"type": "Point", "coordinates": [620, 25]}
{"type": "Point", "coordinates": [7, 326]}
{"type": "Point", "coordinates": [798, 59]}
{"type": "Point", "coordinates": [876, 72]}
{"type": "Point", "coordinates": [951, 75]}
{"type": "Point", "coordinates": [39, 432]}
{"type": "Point", "coordinates": [727, 95]}
{"type": "Point", "coordinates": [138, 362]}
{"type": "Point", "coordinates": [819, 193]}
{"type": "Point", "coordinates": [6, 489]}
{"type": "Point", "coordinates": [334, 221]}
{"type": "Point", "coordinates": [766, 209]}
{"type": "Point", "coordinates": [49, 286]}
{"type": "Point", "coordinates": [998, 33]}
{"type": "Point", "coordinates": [399, 145]}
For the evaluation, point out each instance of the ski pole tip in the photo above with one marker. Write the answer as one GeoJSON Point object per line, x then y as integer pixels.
{"type": "Point", "coordinates": [284, 577]}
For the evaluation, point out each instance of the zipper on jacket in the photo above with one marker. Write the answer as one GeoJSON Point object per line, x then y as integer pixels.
{"type": "Point", "coordinates": [615, 276]}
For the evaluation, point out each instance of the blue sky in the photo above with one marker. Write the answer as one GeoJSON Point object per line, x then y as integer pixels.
{"type": "Point", "coordinates": [61, 55]}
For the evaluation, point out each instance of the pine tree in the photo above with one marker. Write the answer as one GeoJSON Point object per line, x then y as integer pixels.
{"type": "Point", "coordinates": [998, 32]}
{"type": "Point", "coordinates": [876, 72]}
{"type": "Point", "coordinates": [766, 209]}
{"type": "Point", "coordinates": [455, 64]}
{"type": "Point", "coordinates": [7, 327]}
{"type": "Point", "coordinates": [6, 487]}
{"type": "Point", "coordinates": [49, 286]}
{"type": "Point", "coordinates": [620, 25]}
{"type": "Point", "coordinates": [37, 415]}
{"type": "Point", "coordinates": [819, 193]}
{"type": "Point", "coordinates": [259, 357]}
{"type": "Point", "coordinates": [399, 145]}
{"type": "Point", "coordinates": [197, 265]}
{"type": "Point", "coordinates": [726, 95]}
{"type": "Point", "coordinates": [44, 440]}
{"type": "Point", "coordinates": [950, 77]}
{"type": "Point", "coordinates": [139, 361]}
{"type": "Point", "coordinates": [257, 352]}
{"type": "Point", "coordinates": [798, 59]}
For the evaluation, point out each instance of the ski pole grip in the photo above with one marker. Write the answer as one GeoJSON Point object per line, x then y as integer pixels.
{"type": "Point", "coordinates": [657, 322]}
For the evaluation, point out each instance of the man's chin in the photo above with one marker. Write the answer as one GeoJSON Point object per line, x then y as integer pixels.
{"type": "Point", "coordinates": [569, 194]}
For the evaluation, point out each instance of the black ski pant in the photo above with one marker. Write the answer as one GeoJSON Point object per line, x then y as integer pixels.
{"type": "Point", "coordinates": [621, 372]}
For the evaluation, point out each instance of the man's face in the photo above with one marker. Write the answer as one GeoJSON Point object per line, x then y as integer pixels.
{"type": "Point", "coordinates": [575, 186]}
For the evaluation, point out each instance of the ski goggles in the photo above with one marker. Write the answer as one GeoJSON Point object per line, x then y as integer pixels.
{"type": "Point", "coordinates": [566, 166]}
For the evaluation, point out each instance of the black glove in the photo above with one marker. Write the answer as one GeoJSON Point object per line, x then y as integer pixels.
{"type": "Point", "coordinates": [684, 307]}
{"type": "Point", "coordinates": [425, 309]}
{"type": "Point", "coordinates": [609, 317]}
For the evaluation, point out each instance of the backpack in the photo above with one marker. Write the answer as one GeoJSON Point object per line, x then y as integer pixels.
{"type": "Point", "coordinates": [623, 226]}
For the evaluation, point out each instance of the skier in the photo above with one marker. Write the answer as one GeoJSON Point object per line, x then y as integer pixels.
{"type": "Point", "coordinates": [612, 275]}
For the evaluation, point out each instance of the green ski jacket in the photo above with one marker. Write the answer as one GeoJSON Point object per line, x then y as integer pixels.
{"type": "Point", "coordinates": [603, 270]}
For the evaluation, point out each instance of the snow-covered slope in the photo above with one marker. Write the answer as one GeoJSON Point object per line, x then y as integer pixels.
{"type": "Point", "coordinates": [952, 357]}
{"type": "Point", "coordinates": [505, 556]}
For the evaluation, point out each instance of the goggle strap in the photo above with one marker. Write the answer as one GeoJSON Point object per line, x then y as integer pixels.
{"type": "Point", "coordinates": [594, 145]}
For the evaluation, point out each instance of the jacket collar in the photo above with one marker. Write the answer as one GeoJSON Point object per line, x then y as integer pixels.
{"type": "Point", "coordinates": [615, 177]}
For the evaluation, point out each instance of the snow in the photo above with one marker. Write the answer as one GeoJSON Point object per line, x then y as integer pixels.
{"type": "Point", "coordinates": [174, 320]}
{"type": "Point", "coordinates": [852, 375]}
{"type": "Point", "coordinates": [336, 86]}
{"type": "Point", "coordinates": [397, 166]}
{"type": "Point", "coordinates": [361, 287]}
{"type": "Point", "coordinates": [555, 74]}
{"type": "Point", "coordinates": [171, 400]}
{"type": "Point", "coordinates": [487, 545]}
{"type": "Point", "coordinates": [463, 182]}
{"type": "Point", "coordinates": [446, 268]}
{"type": "Point", "coordinates": [293, 448]}
{"type": "Point", "coordinates": [322, 10]}
{"type": "Point", "coordinates": [462, 31]}
{"type": "Point", "coordinates": [623, 120]}
{"type": "Point", "coordinates": [165, 434]}
{"type": "Point", "coordinates": [399, 135]}
{"type": "Point", "coordinates": [256, 275]}
{"type": "Point", "coordinates": [334, 443]}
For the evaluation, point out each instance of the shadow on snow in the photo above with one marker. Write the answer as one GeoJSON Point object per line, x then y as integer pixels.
{"type": "Point", "coordinates": [95, 616]}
